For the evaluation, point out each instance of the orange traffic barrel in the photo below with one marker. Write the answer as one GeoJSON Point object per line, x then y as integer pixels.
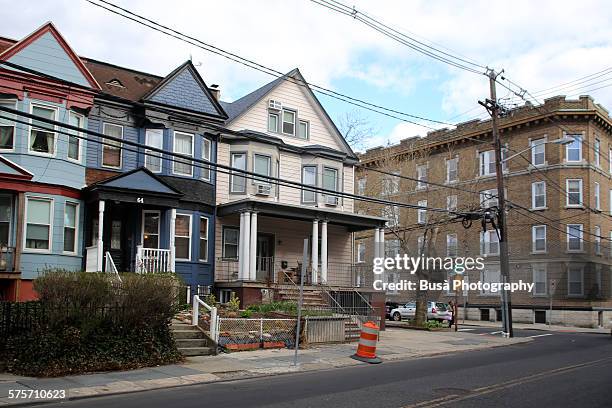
{"type": "Point", "coordinates": [366, 350]}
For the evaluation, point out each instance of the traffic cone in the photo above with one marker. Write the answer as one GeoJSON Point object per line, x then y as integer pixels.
{"type": "Point", "coordinates": [366, 350]}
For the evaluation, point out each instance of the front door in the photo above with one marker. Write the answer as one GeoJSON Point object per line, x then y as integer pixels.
{"type": "Point", "coordinates": [265, 257]}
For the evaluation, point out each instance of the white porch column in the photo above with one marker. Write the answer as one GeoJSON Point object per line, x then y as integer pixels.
{"type": "Point", "coordinates": [253, 248]}
{"type": "Point", "coordinates": [315, 251]}
{"type": "Point", "coordinates": [377, 243]}
{"type": "Point", "coordinates": [172, 239]}
{"type": "Point", "coordinates": [101, 206]}
{"type": "Point", "coordinates": [241, 244]}
{"type": "Point", "coordinates": [245, 235]}
{"type": "Point", "coordinates": [324, 251]}
{"type": "Point", "coordinates": [382, 242]}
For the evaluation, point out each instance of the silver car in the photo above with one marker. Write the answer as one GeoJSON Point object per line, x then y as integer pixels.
{"type": "Point", "coordinates": [435, 311]}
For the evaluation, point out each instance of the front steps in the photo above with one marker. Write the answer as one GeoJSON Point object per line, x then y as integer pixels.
{"type": "Point", "coordinates": [312, 298]}
{"type": "Point", "coordinates": [190, 340]}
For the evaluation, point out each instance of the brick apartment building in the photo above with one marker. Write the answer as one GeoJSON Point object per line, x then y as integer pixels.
{"type": "Point", "coordinates": [559, 190]}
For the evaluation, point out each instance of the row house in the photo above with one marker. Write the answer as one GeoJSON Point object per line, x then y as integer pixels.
{"type": "Point", "coordinates": [558, 176]}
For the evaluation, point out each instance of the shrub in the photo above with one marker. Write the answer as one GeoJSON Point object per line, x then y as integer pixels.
{"type": "Point", "coordinates": [234, 303]}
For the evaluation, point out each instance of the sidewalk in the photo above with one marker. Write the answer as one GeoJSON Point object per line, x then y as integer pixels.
{"type": "Point", "coordinates": [536, 326]}
{"type": "Point", "coordinates": [395, 344]}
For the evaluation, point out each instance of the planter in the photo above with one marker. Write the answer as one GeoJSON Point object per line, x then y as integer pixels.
{"type": "Point", "coordinates": [242, 347]}
{"type": "Point", "coordinates": [273, 344]}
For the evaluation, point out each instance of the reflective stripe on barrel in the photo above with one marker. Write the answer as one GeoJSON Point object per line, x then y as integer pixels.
{"type": "Point", "coordinates": [367, 341]}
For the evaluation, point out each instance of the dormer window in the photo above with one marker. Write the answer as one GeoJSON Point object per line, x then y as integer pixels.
{"type": "Point", "coordinates": [288, 122]}
{"type": "Point", "coordinates": [115, 82]}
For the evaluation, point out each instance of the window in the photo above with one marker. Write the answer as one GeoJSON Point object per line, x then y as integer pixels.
{"type": "Point", "coordinates": [74, 143]}
{"type": "Point", "coordinates": [262, 165]}
{"type": "Point", "coordinates": [150, 229]}
{"type": "Point", "coordinates": [230, 243]}
{"type": "Point", "coordinates": [597, 197]}
{"type": "Point", "coordinates": [182, 237]}
{"type": "Point", "coordinates": [5, 219]}
{"type": "Point", "coordinates": [392, 248]}
{"type": "Point", "coordinates": [391, 213]}
{"type": "Point", "coordinates": [237, 180]}
{"type": "Point", "coordinates": [538, 152]}
{"type": "Point", "coordinates": [573, 150]}
{"type": "Point", "coordinates": [596, 154]}
{"type": "Point", "coordinates": [38, 224]}
{"type": "Point", "coordinates": [597, 240]}
{"type": "Point", "coordinates": [71, 220]}
{"type": "Point", "coordinates": [488, 198]}
{"type": "Point", "coordinates": [206, 155]}
{"type": "Point", "coordinates": [574, 237]}
{"type": "Point", "coordinates": [490, 275]}
{"type": "Point", "coordinates": [111, 152]}
{"type": "Point", "coordinates": [304, 130]}
{"type": "Point", "coordinates": [309, 178]}
{"type": "Point", "coordinates": [610, 160]}
{"type": "Point", "coordinates": [422, 176]}
{"type": "Point", "coordinates": [153, 160]}
{"type": "Point", "coordinates": [539, 279]}
{"type": "Point", "coordinates": [225, 295]}
{"type": "Point", "coordinates": [421, 212]}
{"type": "Point", "coordinates": [489, 243]}
{"type": "Point", "coordinates": [391, 183]}
{"type": "Point", "coordinates": [574, 192]}
{"type": "Point", "coordinates": [420, 245]}
{"type": "Point", "coordinates": [451, 203]}
{"type": "Point", "coordinates": [487, 163]}
{"type": "Point", "coordinates": [183, 144]}
{"type": "Point", "coordinates": [273, 122]}
{"type": "Point", "coordinates": [330, 179]}
{"type": "Point", "coordinates": [116, 234]}
{"type": "Point", "coordinates": [7, 127]}
{"type": "Point", "coordinates": [451, 245]}
{"type": "Point", "coordinates": [575, 280]}
{"type": "Point", "coordinates": [288, 122]}
{"type": "Point", "coordinates": [361, 251]}
{"type": "Point", "coordinates": [41, 139]}
{"type": "Point", "coordinates": [538, 195]}
{"type": "Point", "coordinates": [451, 170]}
{"type": "Point", "coordinates": [538, 238]}
{"type": "Point", "coordinates": [203, 239]}
{"type": "Point", "coordinates": [361, 186]}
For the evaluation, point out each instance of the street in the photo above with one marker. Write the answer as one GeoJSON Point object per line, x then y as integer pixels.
{"type": "Point", "coordinates": [561, 369]}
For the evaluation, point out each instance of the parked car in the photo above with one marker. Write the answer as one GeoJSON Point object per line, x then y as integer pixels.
{"type": "Point", "coordinates": [388, 307]}
{"type": "Point", "coordinates": [435, 311]}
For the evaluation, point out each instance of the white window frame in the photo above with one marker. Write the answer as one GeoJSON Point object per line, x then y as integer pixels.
{"type": "Point", "coordinates": [534, 239]}
{"type": "Point", "coordinates": [488, 197]}
{"type": "Point", "coordinates": [12, 104]}
{"type": "Point", "coordinates": [391, 213]}
{"type": "Point", "coordinates": [491, 270]}
{"type": "Point", "coordinates": [451, 203]}
{"type": "Point", "coordinates": [610, 161]}
{"type": "Point", "coordinates": [573, 236]}
{"type": "Point", "coordinates": [597, 196]}
{"type": "Point", "coordinates": [265, 180]}
{"type": "Point", "coordinates": [534, 196]}
{"type": "Point", "coordinates": [454, 160]}
{"type": "Point", "coordinates": [78, 137]}
{"type": "Point", "coordinates": [174, 163]}
{"type": "Point", "coordinates": [304, 191]}
{"type": "Point", "coordinates": [537, 268]}
{"type": "Point", "coordinates": [142, 231]}
{"type": "Point", "coordinates": [391, 183]}
{"type": "Point", "coordinates": [336, 177]}
{"type": "Point", "coordinates": [569, 282]}
{"type": "Point", "coordinates": [223, 243]}
{"type": "Point", "coordinates": [535, 145]}
{"type": "Point", "coordinates": [307, 135]}
{"type": "Point", "coordinates": [277, 115]}
{"type": "Point", "coordinates": [190, 236]}
{"type": "Point", "coordinates": [597, 239]}
{"type": "Point", "coordinates": [361, 244]}
{"type": "Point", "coordinates": [576, 137]}
{"type": "Point", "coordinates": [422, 213]}
{"type": "Point", "coordinates": [206, 155]}
{"type": "Point", "coordinates": [295, 121]}
{"type": "Point", "coordinates": [486, 242]}
{"type": "Point", "coordinates": [449, 237]}
{"type": "Point", "coordinates": [361, 185]}
{"type": "Point", "coordinates": [149, 153]}
{"type": "Point", "coordinates": [76, 227]}
{"type": "Point", "coordinates": [486, 160]}
{"type": "Point", "coordinates": [597, 152]}
{"type": "Point", "coordinates": [55, 110]}
{"type": "Point", "coordinates": [205, 259]}
{"type": "Point", "coordinates": [421, 176]}
{"type": "Point", "coordinates": [51, 216]}
{"type": "Point", "coordinates": [10, 219]}
{"type": "Point", "coordinates": [120, 146]}
{"type": "Point", "coordinates": [233, 174]}
{"type": "Point", "coordinates": [567, 195]}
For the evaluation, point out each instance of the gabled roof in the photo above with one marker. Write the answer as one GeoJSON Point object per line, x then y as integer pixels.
{"type": "Point", "coordinates": [240, 106]}
{"type": "Point", "coordinates": [45, 50]}
{"type": "Point", "coordinates": [184, 88]}
{"type": "Point", "coordinates": [137, 180]}
{"type": "Point", "coordinates": [11, 170]}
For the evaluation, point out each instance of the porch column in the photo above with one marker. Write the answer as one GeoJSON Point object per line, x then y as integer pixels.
{"type": "Point", "coordinates": [382, 242]}
{"type": "Point", "coordinates": [253, 248]}
{"type": "Point", "coordinates": [315, 250]}
{"type": "Point", "coordinates": [377, 243]}
{"type": "Point", "coordinates": [243, 245]}
{"type": "Point", "coordinates": [171, 244]}
{"type": "Point", "coordinates": [101, 205]}
{"type": "Point", "coordinates": [324, 251]}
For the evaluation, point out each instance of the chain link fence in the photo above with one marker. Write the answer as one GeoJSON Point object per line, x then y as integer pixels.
{"type": "Point", "coordinates": [252, 333]}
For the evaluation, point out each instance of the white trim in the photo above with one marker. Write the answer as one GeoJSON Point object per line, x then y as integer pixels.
{"type": "Point", "coordinates": [534, 239]}
{"type": "Point", "coordinates": [456, 179]}
{"type": "Point", "coordinates": [597, 152]}
{"type": "Point", "coordinates": [148, 153]}
{"type": "Point", "coordinates": [597, 196]}
{"type": "Point", "coordinates": [120, 146]}
{"type": "Point", "coordinates": [597, 239]}
{"type": "Point", "coordinates": [7, 103]}
{"type": "Point", "coordinates": [174, 151]}
{"type": "Point", "coordinates": [205, 259]}
{"type": "Point", "coordinates": [454, 235]}
{"type": "Point", "coordinates": [51, 201]}
{"type": "Point", "coordinates": [581, 237]}
{"type": "Point", "coordinates": [142, 231]}
{"type": "Point", "coordinates": [78, 138]}
{"type": "Point", "coordinates": [55, 109]}
{"type": "Point", "coordinates": [533, 277]}
{"type": "Point", "coordinates": [190, 236]}
{"type": "Point", "coordinates": [361, 243]}
{"type": "Point", "coordinates": [576, 136]}
{"type": "Point", "coordinates": [11, 215]}
{"type": "Point", "coordinates": [206, 141]}
{"type": "Point", "coordinates": [533, 145]}
{"type": "Point", "coordinates": [533, 195]}
{"type": "Point", "coordinates": [235, 174]}
{"type": "Point", "coordinates": [282, 121]}
{"type": "Point", "coordinates": [569, 294]}
{"type": "Point", "coordinates": [76, 227]}
{"type": "Point", "coordinates": [567, 193]}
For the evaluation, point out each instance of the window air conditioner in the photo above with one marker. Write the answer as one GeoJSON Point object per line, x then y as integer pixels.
{"type": "Point", "coordinates": [331, 200]}
{"type": "Point", "coordinates": [274, 104]}
{"type": "Point", "coordinates": [263, 189]}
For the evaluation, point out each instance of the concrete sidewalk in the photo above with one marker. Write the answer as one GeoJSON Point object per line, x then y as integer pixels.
{"type": "Point", "coordinates": [395, 344]}
{"type": "Point", "coordinates": [536, 326]}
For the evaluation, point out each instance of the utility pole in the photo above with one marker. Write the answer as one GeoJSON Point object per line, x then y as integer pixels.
{"type": "Point", "coordinates": [504, 262]}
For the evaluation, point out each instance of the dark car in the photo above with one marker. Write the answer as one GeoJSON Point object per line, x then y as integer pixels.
{"type": "Point", "coordinates": [388, 307]}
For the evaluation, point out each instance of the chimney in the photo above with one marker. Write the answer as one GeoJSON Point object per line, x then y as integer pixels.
{"type": "Point", "coordinates": [215, 91]}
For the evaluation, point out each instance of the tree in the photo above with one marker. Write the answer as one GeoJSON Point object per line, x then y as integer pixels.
{"type": "Point", "coordinates": [355, 128]}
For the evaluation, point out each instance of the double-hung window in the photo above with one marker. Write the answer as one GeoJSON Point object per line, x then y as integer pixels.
{"type": "Point", "coordinates": [289, 122]}
{"type": "Point", "coordinates": [451, 203]}
{"type": "Point", "coordinates": [596, 152]}
{"type": "Point", "coordinates": [422, 212]}
{"type": "Point", "coordinates": [574, 192]}
{"type": "Point", "coordinates": [488, 198]}
{"type": "Point", "coordinates": [390, 183]}
{"type": "Point", "coordinates": [7, 126]}
{"type": "Point", "coordinates": [304, 129]}
{"type": "Point", "coordinates": [392, 248]}
{"type": "Point", "coordinates": [262, 165]}
{"type": "Point", "coordinates": [422, 176]}
{"type": "Point", "coordinates": [487, 163]}
{"type": "Point", "coordinates": [273, 119]}
{"type": "Point", "coordinates": [206, 155]}
{"type": "Point", "coordinates": [309, 178]}
{"type": "Point", "coordinates": [111, 150]}
{"type": "Point", "coordinates": [39, 224]}
{"type": "Point", "coordinates": [183, 144]}
{"type": "Point", "coordinates": [490, 275]}
{"type": "Point", "coordinates": [538, 195]}
{"type": "Point", "coordinates": [489, 243]}
{"type": "Point", "coordinates": [574, 237]}
{"type": "Point", "coordinates": [575, 280]}
{"type": "Point", "coordinates": [230, 243]}
{"type": "Point", "coordinates": [150, 228]}
{"type": "Point", "coordinates": [238, 180]}
{"type": "Point", "coordinates": [153, 159]}
{"type": "Point", "coordinates": [451, 170]}
{"type": "Point", "coordinates": [538, 238]}
{"type": "Point", "coordinates": [451, 245]}
{"type": "Point", "coordinates": [203, 239]}
{"type": "Point", "coordinates": [538, 152]}
{"type": "Point", "coordinates": [540, 279]}
{"type": "Point", "coordinates": [391, 213]}
{"type": "Point", "coordinates": [71, 222]}
{"type": "Point", "coordinates": [74, 141]}
{"type": "Point", "coordinates": [43, 140]}
{"type": "Point", "coordinates": [597, 194]}
{"type": "Point", "coordinates": [5, 219]}
{"type": "Point", "coordinates": [182, 237]}
{"type": "Point", "coordinates": [597, 240]}
{"type": "Point", "coordinates": [361, 186]}
{"type": "Point", "coordinates": [361, 251]}
{"type": "Point", "coordinates": [330, 182]}
{"type": "Point", "coordinates": [573, 150]}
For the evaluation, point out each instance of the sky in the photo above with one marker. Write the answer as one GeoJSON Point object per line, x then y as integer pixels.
{"type": "Point", "coordinates": [538, 44]}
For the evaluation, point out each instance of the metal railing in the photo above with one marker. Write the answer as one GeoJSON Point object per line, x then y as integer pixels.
{"type": "Point", "coordinates": [153, 260]}
{"type": "Point", "coordinates": [109, 266]}
{"type": "Point", "coordinates": [209, 321]}
{"type": "Point", "coordinates": [7, 259]}
{"type": "Point", "coordinates": [91, 259]}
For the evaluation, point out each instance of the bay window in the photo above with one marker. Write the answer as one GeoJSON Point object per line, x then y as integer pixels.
{"type": "Point", "coordinates": [153, 160]}
{"type": "Point", "coordinates": [183, 144]}
{"type": "Point", "coordinates": [71, 220]}
{"type": "Point", "coordinates": [203, 239]}
{"type": "Point", "coordinates": [150, 228]}
{"type": "Point", "coordinates": [182, 237]}
{"type": "Point", "coordinates": [74, 142]}
{"type": "Point", "coordinates": [42, 140]}
{"type": "Point", "coordinates": [574, 237]}
{"type": "Point", "coordinates": [309, 178]}
{"type": "Point", "coordinates": [573, 150]}
{"type": "Point", "coordinates": [206, 155]}
{"type": "Point", "coordinates": [111, 151]}
{"type": "Point", "coordinates": [262, 165]}
{"type": "Point", "coordinates": [573, 188]}
{"type": "Point", "coordinates": [5, 219]}
{"type": "Point", "coordinates": [237, 180]}
{"type": "Point", "coordinates": [7, 127]}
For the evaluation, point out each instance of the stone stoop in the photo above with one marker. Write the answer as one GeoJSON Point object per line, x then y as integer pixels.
{"type": "Point", "coordinates": [352, 330]}
{"type": "Point", "coordinates": [313, 298]}
{"type": "Point", "coordinates": [190, 341]}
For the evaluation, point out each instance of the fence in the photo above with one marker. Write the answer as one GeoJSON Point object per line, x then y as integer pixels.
{"type": "Point", "coordinates": [250, 333]}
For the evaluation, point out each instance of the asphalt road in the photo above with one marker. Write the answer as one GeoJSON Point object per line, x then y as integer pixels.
{"type": "Point", "coordinates": [558, 370]}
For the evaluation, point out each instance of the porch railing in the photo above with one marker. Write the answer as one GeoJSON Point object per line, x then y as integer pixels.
{"type": "Point", "coordinates": [7, 259]}
{"type": "Point", "coordinates": [227, 270]}
{"type": "Point", "coordinates": [153, 260]}
{"type": "Point", "coordinates": [91, 259]}
{"type": "Point", "coordinates": [208, 320]}
{"type": "Point", "coordinates": [109, 266]}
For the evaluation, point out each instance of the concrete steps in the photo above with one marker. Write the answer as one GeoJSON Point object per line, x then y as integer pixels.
{"type": "Point", "coordinates": [312, 298]}
{"type": "Point", "coordinates": [190, 341]}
